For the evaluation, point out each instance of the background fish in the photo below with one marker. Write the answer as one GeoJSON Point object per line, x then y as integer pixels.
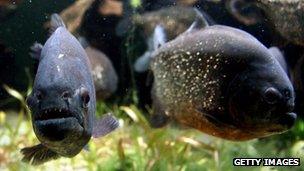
{"type": "Point", "coordinates": [175, 20]}
{"type": "Point", "coordinates": [221, 81]}
{"type": "Point", "coordinates": [157, 38]}
{"type": "Point", "coordinates": [104, 75]}
{"type": "Point", "coordinates": [286, 10]}
{"type": "Point", "coordinates": [63, 99]}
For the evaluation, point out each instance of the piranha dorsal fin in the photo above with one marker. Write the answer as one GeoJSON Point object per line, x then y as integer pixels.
{"type": "Point", "coordinates": [104, 126]}
{"type": "Point", "coordinates": [157, 40]}
{"type": "Point", "coordinates": [38, 154]}
{"type": "Point", "coordinates": [36, 49]}
{"type": "Point", "coordinates": [199, 22]}
{"type": "Point", "coordinates": [83, 41]}
{"type": "Point", "coordinates": [278, 54]}
{"type": "Point", "coordinates": [56, 21]}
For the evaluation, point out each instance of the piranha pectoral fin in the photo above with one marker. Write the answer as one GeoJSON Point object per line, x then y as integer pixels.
{"type": "Point", "coordinates": [38, 154]}
{"type": "Point", "coordinates": [36, 49]}
{"type": "Point", "coordinates": [157, 40]}
{"type": "Point", "coordinates": [104, 126]}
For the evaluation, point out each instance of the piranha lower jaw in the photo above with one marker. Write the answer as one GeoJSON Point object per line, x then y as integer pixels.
{"type": "Point", "coordinates": [247, 130]}
{"type": "Point", "coordinates": [57, 124]}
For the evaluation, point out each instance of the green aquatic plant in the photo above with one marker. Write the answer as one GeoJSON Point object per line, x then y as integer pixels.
{"type": "Point", "coordinates": [136, 146]}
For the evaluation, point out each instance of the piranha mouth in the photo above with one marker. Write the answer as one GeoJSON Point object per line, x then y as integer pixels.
{"type": "Point", "coordinates": [287, 120]}
{"type": "Point", "coordinates": [57, 124]}
{"type": "Point", "coordinates": [275, 126]}
{"type": "Point", "coordinates": [55, 114]}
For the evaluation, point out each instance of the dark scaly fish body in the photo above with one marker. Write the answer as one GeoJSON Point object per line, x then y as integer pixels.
{"type": "Point", "coordinates": [287, 18]}
{"type": "Point", "coordinates": [63, 98]}
{"type": "Point", "coordinates": [286, 10]}
{"type": "Point", "coordinates": [104, 75]}
{"type": "Point", "coordinates": [221, 81]}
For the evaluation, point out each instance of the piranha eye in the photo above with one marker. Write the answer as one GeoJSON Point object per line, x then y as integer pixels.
{"type": "Point", "coordinates": [85, 97]}
{"type": "Point", "coordinates": [272, 95]}
{"type": "Point", "coordinates": [39, 95]}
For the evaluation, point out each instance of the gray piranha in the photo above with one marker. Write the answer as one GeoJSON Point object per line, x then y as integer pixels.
{"type": "Point", "coordinates": [221, 81]}
{"type": "Point", "coordinates": [287, 18]}
{"type": "Point", "coordinates": [63, 99]}
{"type": "Point", "coordinates": [104, 75]}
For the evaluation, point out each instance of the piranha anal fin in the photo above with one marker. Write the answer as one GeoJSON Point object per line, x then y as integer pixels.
{"type": "Point", "coordinates": [36, 49]}
{"type": "Point", "coordinates": [157, 40]}
{"type": "Point", "coordinates": [104, 126]}
{"type": "Point", "coordinates": [56, 21]}
{"type": "Point", "coordinates": [38, 154]}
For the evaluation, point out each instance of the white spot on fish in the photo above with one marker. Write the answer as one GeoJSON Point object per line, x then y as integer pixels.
{"type": "Point", "coordinates": [58, 69]}
{"type": "Point", "coordinates": [60, 56]}
{"type": "Point", "coordinates": [97, 73]}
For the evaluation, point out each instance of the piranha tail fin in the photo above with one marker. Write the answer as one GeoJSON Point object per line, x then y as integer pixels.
{"type": "Point", "coordinates": [104, 126]}
{"type": "Point", "coordinates": [56, 21]}
{"type": "Point", "coordinates": [157, 40]}
{"type": "Point", "coordinates": [38, 154]}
